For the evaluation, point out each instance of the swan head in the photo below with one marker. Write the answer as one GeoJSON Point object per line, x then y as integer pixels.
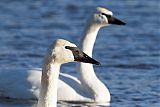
{"type": "Point", "coordinates": [103, 17]}
{"type": "Point", "coordinates": [64, 51]}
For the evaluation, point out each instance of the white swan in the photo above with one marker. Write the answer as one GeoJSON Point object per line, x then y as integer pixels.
{"type": "Point", "coordinates": [87, 89]}
{"type": "Point", "coordinates": [58, 53]}
{"type": "Point", "coordinates": [98, 91]}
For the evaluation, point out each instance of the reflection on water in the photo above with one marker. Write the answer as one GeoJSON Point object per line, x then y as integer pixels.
{"type": "Point", "coordinates": [130, 55]}
{"type": "Point", "coordinates": [82, 104]}
{"type": "Point", "coordinates": [22, 103]}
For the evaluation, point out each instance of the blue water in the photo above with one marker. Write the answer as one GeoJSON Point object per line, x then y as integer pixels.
{"type": "Point", "coordinates": [130, 55]}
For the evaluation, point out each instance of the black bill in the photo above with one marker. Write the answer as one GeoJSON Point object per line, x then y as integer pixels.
{"type": "Point", "coordinates": [81, 56]}
{"type": "Point", "coordinates": [113, 20]}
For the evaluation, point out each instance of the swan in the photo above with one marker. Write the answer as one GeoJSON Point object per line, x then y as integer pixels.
{"type": "Point", "coordinates": [86, 88]}
{"type": "Point", "coordinates": [98, 91]}
{"type": "Point", "coordinates": [58, 53]}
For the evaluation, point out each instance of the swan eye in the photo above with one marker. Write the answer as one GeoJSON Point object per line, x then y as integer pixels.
{"type": "Point", "coordinates": [108, 16]}
{"type": "Point", "coordinates": [67, 47]}
{"type": "Point", "coordinates": [73, 49]}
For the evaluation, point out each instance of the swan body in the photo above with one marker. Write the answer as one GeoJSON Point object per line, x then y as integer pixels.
{"type": "Point", "coordinates": [58, 53]}
{"type": "Point", "coordinates": [86, 88]}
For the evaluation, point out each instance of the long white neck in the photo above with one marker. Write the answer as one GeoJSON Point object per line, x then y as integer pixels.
{"type": "Point", "coordinates": [49, 80]}
{"type": "Point", "coordinates": [87, 46]}
{"type": "Point", "coordinates": [89, 38]}
{"type": "Point", "coordinates": [87, 74]}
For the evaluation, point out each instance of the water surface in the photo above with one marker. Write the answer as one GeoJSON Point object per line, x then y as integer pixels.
{"type": "Point", "coordinates": [130, 55]}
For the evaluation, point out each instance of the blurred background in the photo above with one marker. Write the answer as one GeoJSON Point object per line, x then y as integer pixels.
{"type": "Point", "coordinates": [130, 55]}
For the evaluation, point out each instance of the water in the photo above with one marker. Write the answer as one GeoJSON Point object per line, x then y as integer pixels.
{"type": "Point", "coordinates": [130, 55]}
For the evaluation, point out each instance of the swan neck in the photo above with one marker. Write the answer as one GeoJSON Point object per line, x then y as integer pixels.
{"type": "Point", "coordinates": [88, 78]}
{"type": "Point", "coordinates": [87, 45]}
{"type": "Point", "coordinates": [49, 81]}
{"type": "Point", "coordinates": [89, 38]}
